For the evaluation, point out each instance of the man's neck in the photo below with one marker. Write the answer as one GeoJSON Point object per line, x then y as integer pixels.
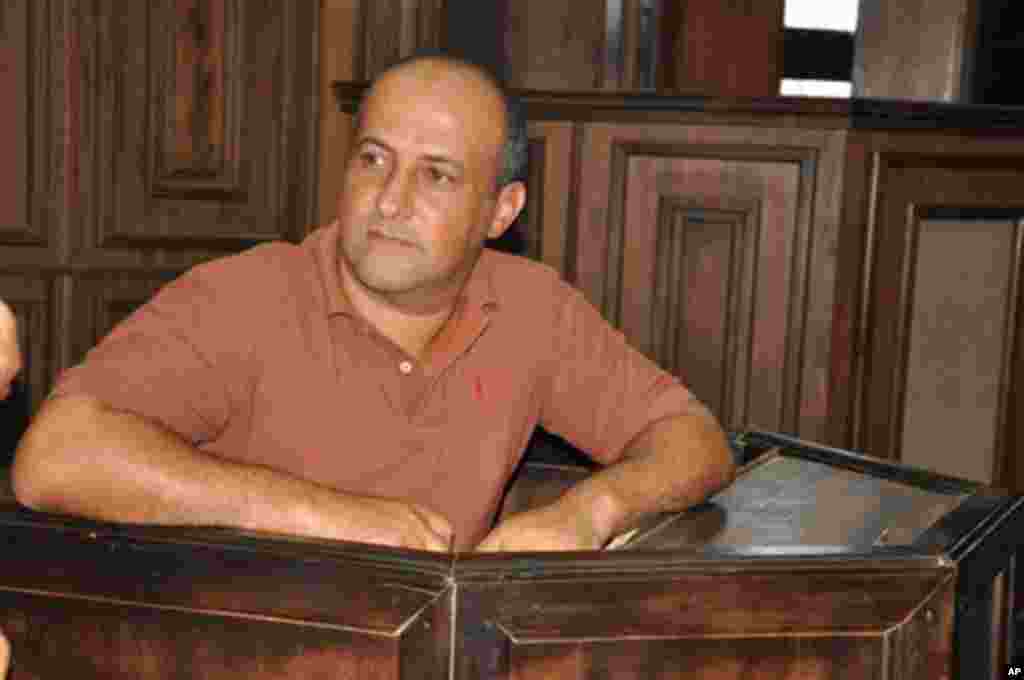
{"type": "Point", "coordinates": [413, 332]}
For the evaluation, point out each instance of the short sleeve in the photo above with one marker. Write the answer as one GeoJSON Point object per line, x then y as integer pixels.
{"type": "Point", "coordinates": [180, 359]}
{"type": "Point", "coordinates": [599, 392]}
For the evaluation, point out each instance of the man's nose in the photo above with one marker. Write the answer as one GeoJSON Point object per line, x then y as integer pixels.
{"type": "Point", "coordinates": [395, 195]}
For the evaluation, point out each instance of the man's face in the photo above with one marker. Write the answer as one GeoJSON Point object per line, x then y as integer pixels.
{"type": "Point", "coordinates": [422, 170]}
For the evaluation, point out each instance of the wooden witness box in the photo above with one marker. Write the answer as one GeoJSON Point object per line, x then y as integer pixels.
{"type": "Point", "coordinates": [815, 563]}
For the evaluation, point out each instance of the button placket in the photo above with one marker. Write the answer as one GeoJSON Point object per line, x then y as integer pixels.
{"type": "Point", "coordinates": [405, 367]}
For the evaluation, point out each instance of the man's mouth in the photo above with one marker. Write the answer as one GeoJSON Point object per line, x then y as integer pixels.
{"type": "Point", "coordinates": [388, 239]}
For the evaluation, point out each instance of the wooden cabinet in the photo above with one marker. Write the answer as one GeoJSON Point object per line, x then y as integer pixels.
{"type": "Point", "coordinates": [815, 563]}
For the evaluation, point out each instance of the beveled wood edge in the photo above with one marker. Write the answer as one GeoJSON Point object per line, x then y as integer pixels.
{"type": "Point", "coordinates": [592, 565]}
{"type": "Point", "coordinates": [870, 627]}
{"type": "Point", "coordinates": [228, 539]}
{"type": "Point", "coordinates": [863, 463]}
{"type": "Point", "coordinates": [237, 614]}
{"type": "Point", "coordinates": [854, 113]}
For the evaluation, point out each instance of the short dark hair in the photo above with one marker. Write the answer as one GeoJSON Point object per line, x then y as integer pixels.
{"type": "Point", "coordinates": [515, 153]}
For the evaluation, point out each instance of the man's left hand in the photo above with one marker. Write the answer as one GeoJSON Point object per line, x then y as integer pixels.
{"type": "Point", "coordinates": [559, 526]}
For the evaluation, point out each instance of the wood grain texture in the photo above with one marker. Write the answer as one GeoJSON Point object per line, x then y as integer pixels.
{"type": "Point", "coordinates": [556, 45]}
{"type": "Point", "coordinates": [551, 194]}
{"type": "Point", "coordinates": [719, 254]}
{"type": "Point", "coordinates": [392, 29]}
{"type": "Point", "coordinates": [731, 47]}
{"type": "Point", "coordinates": [153, 137]}
{"type": "Point", "coordinates": [131, 601]}
{"type": "Point", "coordinates": [914, 183]}
{"type": "Point", "coordinates": [676, 625]}
{"type": "Point", "coordinates": [197, 128]}
{"type": "Point", "coordinates": [34, 168]}
{"type": "Point", "coordinates": [160, 603]}
{"type": "Point", "coordinates": [915, 49]}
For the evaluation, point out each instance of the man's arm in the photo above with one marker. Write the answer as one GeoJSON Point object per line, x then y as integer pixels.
{"type": "Point", "coordinates": [79, 457]}
{"type": "Point", "coordinates": [675, 463]}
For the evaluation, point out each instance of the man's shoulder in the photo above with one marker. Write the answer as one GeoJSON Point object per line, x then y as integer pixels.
{"type": "Point", "coordinates": [519, 279]}
{"type": "Point", "coordinates": [259, 270]}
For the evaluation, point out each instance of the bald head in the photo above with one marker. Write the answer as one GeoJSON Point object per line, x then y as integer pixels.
{"type": "Point", "coordinates": [460, 81]}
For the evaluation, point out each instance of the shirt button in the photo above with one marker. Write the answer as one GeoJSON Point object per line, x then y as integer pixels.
{"type": "Point", "coordinates": [405, 367]}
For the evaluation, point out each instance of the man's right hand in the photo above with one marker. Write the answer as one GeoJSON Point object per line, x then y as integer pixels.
{"type": "Point", "coordinates": [386, 521]}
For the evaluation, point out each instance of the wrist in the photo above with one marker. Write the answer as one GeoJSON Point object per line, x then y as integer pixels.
{"type": "Point", "coordinates": [596, 501]}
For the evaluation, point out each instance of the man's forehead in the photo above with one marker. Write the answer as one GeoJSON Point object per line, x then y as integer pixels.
{"type": "Point", "coordinates": [443, 102]}
{"type": "Point", "coordinates": [442, 81]}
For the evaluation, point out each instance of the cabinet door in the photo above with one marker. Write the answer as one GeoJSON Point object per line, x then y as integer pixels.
{"type": "Point", "coordinates": [536, 619]}
{"type": "Point", "coordinates": [942, 318]}
{"type": "Point", "coordinates": [88, 600]}
{"type": "Point", "coordinates": [712, 248]}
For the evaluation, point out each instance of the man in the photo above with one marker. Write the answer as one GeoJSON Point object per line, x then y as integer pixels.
{"type": "Point", "coordinates": [378, 382]}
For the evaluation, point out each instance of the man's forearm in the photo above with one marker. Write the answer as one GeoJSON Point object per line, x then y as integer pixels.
{"type": "Point", "coordinates": [81, 458]}
{"type": "Point", "coordinates": [676, 463]}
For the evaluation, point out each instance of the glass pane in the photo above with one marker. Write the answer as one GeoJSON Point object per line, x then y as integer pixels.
{"type": "Point", "coordinates": [834, 15]}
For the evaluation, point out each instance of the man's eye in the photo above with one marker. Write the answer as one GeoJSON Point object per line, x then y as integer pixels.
{"type": "Point", "coordinates": [370, 159]}
{"type": "Point", "coordinates": [438, 177]}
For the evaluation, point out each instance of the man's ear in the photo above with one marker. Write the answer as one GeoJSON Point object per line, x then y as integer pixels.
{"type": "Point", "coordinates": [511, 200]}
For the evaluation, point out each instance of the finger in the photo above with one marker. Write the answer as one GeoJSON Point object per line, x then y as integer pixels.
{"type": "Point", "coordinates": [491, 543]}
{"type": "Point", "coordinates": [437, 523]}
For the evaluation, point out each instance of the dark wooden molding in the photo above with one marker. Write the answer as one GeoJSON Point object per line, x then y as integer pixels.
{"type": "Point", "coordinates": [34, 154]}
{"type": "Point", "coordinates": [859, 114]}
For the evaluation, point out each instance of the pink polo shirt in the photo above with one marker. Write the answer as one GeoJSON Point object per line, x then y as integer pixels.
{"type": "Point", "coordinates": [259, 358]}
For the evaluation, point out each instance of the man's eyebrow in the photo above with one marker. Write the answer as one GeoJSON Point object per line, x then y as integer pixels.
{"type": "Point", "coordinates": [432, 158]}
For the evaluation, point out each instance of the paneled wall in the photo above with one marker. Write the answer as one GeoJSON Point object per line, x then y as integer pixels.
{"type": "Point", "coordinates": [849, 277]}
{"type": "Point", "coordinates": [936, 223]}
{"type": "Point", "coordinates": [147, 137]}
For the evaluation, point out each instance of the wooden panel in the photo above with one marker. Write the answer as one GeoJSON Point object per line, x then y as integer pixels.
{"type": "Point", "coordinates": [99, 302]}
{"type": "Point", "coordinates": [14, 83]}
{"type": "Point", "coordinates": [722, 276]}
{"type": "Point", "coordinates": [339, 24]}
{"type": "Point", "coordinates": [914, 49]}
{"type": "Point", "coordinates": [550, 196]}
{"type": "Point", "coordinates": [120, 606]}
{"type": "Point", "coordinates": [556, 44]}
{"type": "Point", "coordinates": [715, 301]}
{"type": "Point", "coordinates": [964, 294]}
{"type": "Point", "coordinates": [196, 140]}
{"type": "Point", "coordinates": [731, 47]}
{"type": "Point", "coordinates": [786, 504]}
{"type": "Point", "coordinates": [31, 164]}
{"type": "Point", "coordinates": [392, 29]}
{"type": "Point", "coordinates": [708, 625]}
{"type": "Point", "coordinates": [942, 276]}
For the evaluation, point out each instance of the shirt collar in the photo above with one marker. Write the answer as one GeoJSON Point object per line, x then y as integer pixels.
{"type": "Point", "coordinates": [478, 291]}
